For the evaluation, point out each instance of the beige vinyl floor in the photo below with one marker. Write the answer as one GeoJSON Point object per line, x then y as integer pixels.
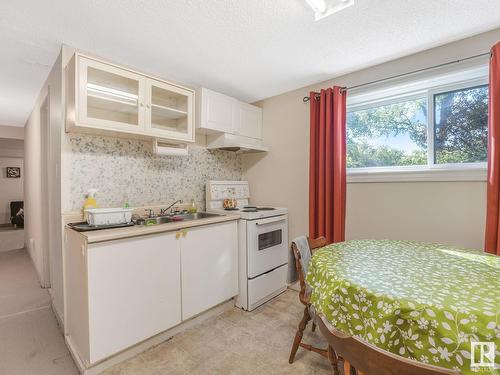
{"type": "Point", "coordinates": [30, 341]}
{"type": "Point", "coordinates": [235, 342]}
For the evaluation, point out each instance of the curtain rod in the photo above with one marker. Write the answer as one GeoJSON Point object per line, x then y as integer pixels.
{"type": "Point", "coordinates": [343, 89]}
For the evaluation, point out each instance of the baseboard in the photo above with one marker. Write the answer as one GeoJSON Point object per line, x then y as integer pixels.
{"type": "Point", "coordinates": [60, 322]}
{"type": "Point", "coordinates": [295, 286]}
{"type": "Point", "coordinates": [74, 355]}
{"type": "Point", "coordinates": [103, 365]}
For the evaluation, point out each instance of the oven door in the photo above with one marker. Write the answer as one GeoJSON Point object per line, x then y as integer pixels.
{"type": "Point", "coordinates": [267, 244]}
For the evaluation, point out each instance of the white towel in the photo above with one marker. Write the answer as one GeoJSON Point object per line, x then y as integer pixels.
{"type": "Point", "coordinates": [305, 256]}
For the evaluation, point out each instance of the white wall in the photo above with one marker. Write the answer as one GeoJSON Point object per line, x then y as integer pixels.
{"type": "Point", "coordinates": [448, 212]}
{"type": "Point", "coordinates": [37, 235]}
{"type": "Point", "coordinates": [11, 132]}
{"type": "Point", "coordinates": [11, 189]}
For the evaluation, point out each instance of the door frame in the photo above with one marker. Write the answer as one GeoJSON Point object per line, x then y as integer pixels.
{"type": "Point", "coordinates": [45, 188]}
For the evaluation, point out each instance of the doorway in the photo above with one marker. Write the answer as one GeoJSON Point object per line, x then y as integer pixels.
{"type": "Point", "coordinates": [11, 194]}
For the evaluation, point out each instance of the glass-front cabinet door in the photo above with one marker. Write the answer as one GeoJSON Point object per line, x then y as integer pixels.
{"type": "Point", "coordinates": [110, 97]}
{"type": "Point", "coordinates": [169, 111]}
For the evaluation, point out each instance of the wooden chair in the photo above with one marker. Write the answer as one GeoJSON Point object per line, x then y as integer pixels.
{"type": "Point", "coordinates": [362, 358]}
{"type": "Point", "coordinates": [304, 299]}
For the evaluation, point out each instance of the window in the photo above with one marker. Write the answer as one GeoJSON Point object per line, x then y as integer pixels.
{"type": "Point", "coordinates": [434, 126]}
{"type": "Point", "coordinates": [461, 126]}
{"type": "Point", "coordinates": [388, 135]}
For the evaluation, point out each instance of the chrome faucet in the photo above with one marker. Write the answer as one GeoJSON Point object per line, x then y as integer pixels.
{"type": "Point", "coordinates": [150, 212]}
{"type": "Point", "coordinates": [163, 211]}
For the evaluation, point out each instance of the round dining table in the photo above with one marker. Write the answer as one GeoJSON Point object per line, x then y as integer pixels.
{"type": "Point", "coordinates": [427, 302]}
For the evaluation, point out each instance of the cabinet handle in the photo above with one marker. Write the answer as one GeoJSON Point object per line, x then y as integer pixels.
{"type": "Point", "coordinates": [184, 233]}
{"type": "Point", "coordinates": [177, 235]}
{"type": "Point", "coordinates": [148, 106]}
{"type": "Point", "coordinates": [142, 104]}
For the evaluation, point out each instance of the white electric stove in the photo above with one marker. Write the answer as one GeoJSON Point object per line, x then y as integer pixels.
{"type": "Point", "coordinates": [263, 243]}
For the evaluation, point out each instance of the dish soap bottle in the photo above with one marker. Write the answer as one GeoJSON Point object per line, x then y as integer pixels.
{"type": "Point", "coordinates": [90, 202]}
{"type": "Point", "coordinates": [192, 207]}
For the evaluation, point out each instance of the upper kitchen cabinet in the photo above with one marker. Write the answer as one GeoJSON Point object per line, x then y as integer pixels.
{"type": "Point", "coordinates": [104, 98]}
{"type": "Point", "coordinates": [215, 111]}
{"type": "Point", "coordinates": [248, 120]}
{"type": "Point", "coordinates": [219, 113]}
{"type": "Point", "coordinates": [169, 111]}
{"type": "Point", "coordinates": [109, 97]}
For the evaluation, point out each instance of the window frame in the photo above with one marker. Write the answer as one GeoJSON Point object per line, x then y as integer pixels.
{"type": "Point", "coordinates": [424, 88]}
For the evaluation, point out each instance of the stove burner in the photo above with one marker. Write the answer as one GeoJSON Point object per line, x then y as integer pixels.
{"type": "Point", "coordinates": [256, 209]}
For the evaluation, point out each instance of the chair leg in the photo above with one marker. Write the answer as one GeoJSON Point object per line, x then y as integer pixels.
{"type": "Point", "coordinates": [298, 336]}
{"type": "Point", "coordinates": [347, 368]}
{"type": "Point", "coordinates": [332, 356]}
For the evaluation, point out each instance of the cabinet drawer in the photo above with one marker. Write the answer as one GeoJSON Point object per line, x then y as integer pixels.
{"type": "Point", "coordinates": [264, 287]}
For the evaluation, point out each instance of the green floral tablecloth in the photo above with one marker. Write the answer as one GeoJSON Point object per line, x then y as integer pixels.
{"type": "Point", "coordinates": [422, 301]}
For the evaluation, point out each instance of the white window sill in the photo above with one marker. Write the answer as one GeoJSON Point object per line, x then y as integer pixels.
{"type": "Point", "coordinates": [416, 174]}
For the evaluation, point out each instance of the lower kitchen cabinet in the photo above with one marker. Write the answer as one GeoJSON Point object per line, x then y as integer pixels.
{"type": "Point", "coordinates": [121, 292]}
{"type": "Point", "coordinates": [134, 288]}
{"type": "Point", "coordinates": [209, 267]}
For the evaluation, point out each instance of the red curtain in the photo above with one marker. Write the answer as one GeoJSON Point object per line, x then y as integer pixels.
{"type": "Point", "coordinates": [492, 240]}
{"type": "Point", "coordinates": [327, 164]}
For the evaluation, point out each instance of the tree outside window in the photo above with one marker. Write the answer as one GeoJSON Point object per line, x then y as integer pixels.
{"type": "Point", "coordinates": [395, 134]}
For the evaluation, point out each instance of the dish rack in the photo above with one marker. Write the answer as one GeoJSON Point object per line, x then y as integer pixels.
{"type": "Point", "coordinates": [108, 216]}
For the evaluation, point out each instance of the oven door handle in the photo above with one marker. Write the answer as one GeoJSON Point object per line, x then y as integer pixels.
{"type": "Point", "coordinates": [270, 220]}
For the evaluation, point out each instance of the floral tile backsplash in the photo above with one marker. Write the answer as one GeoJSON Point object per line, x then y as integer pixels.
{"type": "Point", "coordinates": [127, 171]}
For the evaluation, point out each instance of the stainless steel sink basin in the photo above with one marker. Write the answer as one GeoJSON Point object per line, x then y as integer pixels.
{"type": "Point", "coordinates": [163, 219]}
{"type": "Point", "coordinates": [181, 217]}
{"type": "Point", "coordinates": [196, 216]}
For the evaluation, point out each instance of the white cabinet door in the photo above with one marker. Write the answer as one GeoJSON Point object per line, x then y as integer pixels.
{"type": "Point", "coordinates": [169, 111]}
{"type": "Point", "coordinates": [209, 259]}
{"type": "Point", "coordinates": [109, 97]}
{"type": "Point", "coordinates": [133, 291]}
{"type": "Point", "coordinates": [216, 111]}
{"type": "Point", "coordinates": [248, 120]}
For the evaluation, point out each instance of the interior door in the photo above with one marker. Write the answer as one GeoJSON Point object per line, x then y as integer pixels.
{"type": "Point", "coordinates": [209, 258]}
{"type": "Point", "coordinates": [134, 291]}
{"type": "Point", "coordinates": [110, 97]}
{"type": "Point", "coordinates": [169, 111]}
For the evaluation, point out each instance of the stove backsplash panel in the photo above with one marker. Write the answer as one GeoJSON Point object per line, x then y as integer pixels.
{"type": "Point", "coordinates": [126, 170]}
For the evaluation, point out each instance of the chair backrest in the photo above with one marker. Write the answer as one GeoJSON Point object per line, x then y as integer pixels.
{"type": "Point", "coordinates": [313, 245]}
{"type": "Point", "coordinates": [15, 206]}
{"type": "Point", "coordinates": [371, 360]}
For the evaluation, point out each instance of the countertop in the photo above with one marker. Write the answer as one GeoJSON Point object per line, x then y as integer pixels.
{"type": "Point", "coordinates": [142, 230]}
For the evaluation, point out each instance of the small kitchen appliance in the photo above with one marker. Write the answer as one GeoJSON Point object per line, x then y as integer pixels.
{"type": "Point", "coordinates": [263, 242]}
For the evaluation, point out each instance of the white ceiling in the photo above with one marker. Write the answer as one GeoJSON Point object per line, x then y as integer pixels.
{"type": "Point", "coordinates": [250, 49]}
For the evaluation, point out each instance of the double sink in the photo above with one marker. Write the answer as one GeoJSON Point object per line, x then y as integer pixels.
{"type": "Point", "coordinates": [180, 217]}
